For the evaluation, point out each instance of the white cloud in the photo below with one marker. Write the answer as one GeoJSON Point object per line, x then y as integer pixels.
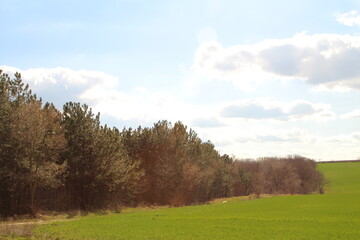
{"type": "Point", "coordinates": [63, 76]}
{"type": "Point", "coordinates": [60, 85]}
{"type": "Point", "coordinates": [192, 85]}
{"type": "Point", "coordinates": [345, 138]}
{"type": "Point", "coordinates": [353, 114]}
{"type": "Point", "coordinates": [283, 142]}
{"type": "Point", "coordinates": [269, 108]}
{"type": "Point", "coordinates": [279, 136]}
{"type": "Point", "coordinates": [237, 65]}
{"type": "Point", "coordinates": [349, 19]}
{"type": "Point", "coordinates": [210, 122]}
{"type": "Point", "coordinates": [147, 108]}
{"type": "Point", "coordinates": [329, 60]}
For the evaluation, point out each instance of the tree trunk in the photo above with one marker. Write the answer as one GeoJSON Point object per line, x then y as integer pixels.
{"type": "Point", "coordinates": [32, 187]}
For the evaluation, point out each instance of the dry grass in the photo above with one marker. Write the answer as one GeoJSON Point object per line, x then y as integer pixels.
{"type": "Point", "coordinates": [244, 198]}
{"type": "Point", "coordinates": [16, 231]}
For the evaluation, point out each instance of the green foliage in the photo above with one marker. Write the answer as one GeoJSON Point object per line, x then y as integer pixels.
{"type": "Point", "coordinates": [323, 216]}
{"type": "Point", "coordinates": [99, 169]}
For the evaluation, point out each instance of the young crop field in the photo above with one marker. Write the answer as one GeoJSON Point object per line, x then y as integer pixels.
{"type": "Point", "coordinates": [334, 215]}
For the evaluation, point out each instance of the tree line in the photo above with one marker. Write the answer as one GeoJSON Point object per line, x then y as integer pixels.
{"type": "Point", "coordinates": [65, 160]}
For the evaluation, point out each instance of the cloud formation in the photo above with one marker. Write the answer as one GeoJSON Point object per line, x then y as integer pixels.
{"type": "Point", "coordinates": [263, 108]}
{"type": "Point", "coordinates": [148, 108]}
{"type": "Point", "coordinates": [353, 114]}
{"type": "Point", "coordinates": [345, 138]}
{"type": "Point", "coordinates": [211, 122]}
{"type": "Point", "coordinates": [349, 19]}
{"type": "Point", "coordinates": [60, 85]}
{"type": "Point", "coordinates": [288, 136]}
{"type": "Point", "coordinates": [329, 60]}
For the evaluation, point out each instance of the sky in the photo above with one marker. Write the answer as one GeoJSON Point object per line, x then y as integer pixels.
{"type": "Point", "coordinates": [256, 78]}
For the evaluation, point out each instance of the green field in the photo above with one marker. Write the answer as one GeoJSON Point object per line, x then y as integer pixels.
{"type": "Point", "coordinates": [334, 215]}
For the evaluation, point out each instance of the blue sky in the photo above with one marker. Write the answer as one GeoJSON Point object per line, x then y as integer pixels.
{"type": "Point", "coordinates": [257, 78]}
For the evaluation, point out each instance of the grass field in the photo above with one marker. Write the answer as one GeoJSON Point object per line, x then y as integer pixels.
{"type": "Point", "coordinates": [334, 215]}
